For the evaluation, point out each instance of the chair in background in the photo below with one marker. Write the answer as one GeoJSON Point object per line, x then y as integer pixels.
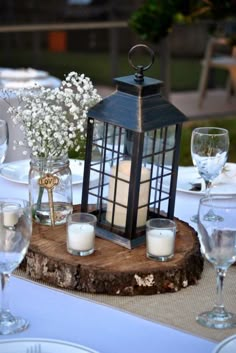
{"type": "Point", "coordinates": [223, 61]}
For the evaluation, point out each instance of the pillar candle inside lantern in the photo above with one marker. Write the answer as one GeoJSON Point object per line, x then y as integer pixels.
{"type": "Point", "coordinates": [122, 192]}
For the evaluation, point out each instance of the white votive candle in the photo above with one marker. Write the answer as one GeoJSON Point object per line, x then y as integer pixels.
{"type": "Point", "coordinates": [160, 238]}
{"type": "Point", "coordinates": [160, 242]}
{"type": "Point", "coordinates": [10, 215]}
{"type": "Point", "coordinates": [81, 236]}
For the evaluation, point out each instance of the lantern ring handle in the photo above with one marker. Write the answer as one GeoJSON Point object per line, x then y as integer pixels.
{"type": "Point", "coordinates": [148, 49]}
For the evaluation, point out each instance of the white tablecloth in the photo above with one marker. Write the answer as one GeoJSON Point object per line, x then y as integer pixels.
{"type": "Point", "coordinates": [56, 314]}
{"type": "Point", "coordinates": [185, 206]}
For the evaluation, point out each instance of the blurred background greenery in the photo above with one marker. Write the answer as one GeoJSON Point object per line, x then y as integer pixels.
{"type": "Point", "coordinates": [184, 77]}
{"type": "Point", "coordinates": [184, 71]}
{"type": "Point", "coordinates": [186, 23]}
{"type": "Point", "coordinates": [228, 123]}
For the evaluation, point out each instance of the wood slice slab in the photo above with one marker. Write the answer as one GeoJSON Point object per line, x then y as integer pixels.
{"type": "Point", "coordinates": [112, 269]}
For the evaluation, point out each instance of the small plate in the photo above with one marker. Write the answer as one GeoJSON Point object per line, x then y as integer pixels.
{"type": "Point", "coordinates": [224, 184]}
{"type": "Point", "coordinates": [23, 345]}
{"type": "Point", "coordinates": [18, 171]}
{"type": "Point", "coordinates": [226, 346]}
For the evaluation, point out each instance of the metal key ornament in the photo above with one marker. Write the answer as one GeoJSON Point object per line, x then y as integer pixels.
{"type": "Point", "coordinates": [48, 182]}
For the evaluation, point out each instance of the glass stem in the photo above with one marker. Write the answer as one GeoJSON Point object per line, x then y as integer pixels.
{"type": "Point", "coordinates": [4, 309]}
{"type": "Point", "coordinates": [220, 275]}
{"type": "Point", "coordinates": [40, 195]}
{"type": "Point", "coordinates": [208, 187]}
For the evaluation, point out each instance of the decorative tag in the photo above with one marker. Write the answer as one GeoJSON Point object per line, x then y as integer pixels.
{"type": "Point", "coordinates": [48, 181]}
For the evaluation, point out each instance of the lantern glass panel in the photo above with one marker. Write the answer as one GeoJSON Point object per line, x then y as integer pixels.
{"type": "Point", "coordinates": [109, 141]}
{"type": "Point", "coordinates": [114, 151]}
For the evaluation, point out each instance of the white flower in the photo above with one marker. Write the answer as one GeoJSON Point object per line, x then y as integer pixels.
{"type": "Point", "coordinates": [52, 119]}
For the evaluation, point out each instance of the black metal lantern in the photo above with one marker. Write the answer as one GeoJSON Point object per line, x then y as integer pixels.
{"type": "Point", "coordinates": [132, 154]}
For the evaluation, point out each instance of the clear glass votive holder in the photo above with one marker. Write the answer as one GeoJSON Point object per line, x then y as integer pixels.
{"type": "Point", "coordinates": [11, 212]}
{"type": "Point", "coordinates": [81, 233]}
{"type": "Point", "coordinates": [160, 239]}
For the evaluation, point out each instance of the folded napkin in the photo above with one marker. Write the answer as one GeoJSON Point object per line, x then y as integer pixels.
{"type": "Point", "coordinates": [225, 183]}
{"type": "Point", "coordinates": [227, 176]}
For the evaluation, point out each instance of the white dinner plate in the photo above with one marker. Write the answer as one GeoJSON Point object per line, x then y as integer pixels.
{"type": "Point", "coordinates": [18, 171]}
{"type": "Point", "coordinates": [225, 183]}
{"type": "Point", "coordinates": [49, 81]}
{"type": "Point", "coordinates": [226, 346]}
{"type": "Point", "coordinates": [22, 74]}
{"type": "Point", "coordinates": [23, 345]}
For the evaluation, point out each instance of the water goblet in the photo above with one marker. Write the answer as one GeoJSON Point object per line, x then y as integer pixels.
{"type": "Point", "coordinates": [209, 151]}
{"type": "Point", "coordinates": [218, 243]}
{"type": "Point", "coordinates": [15, 234]}
{"type": "Point", "coordinates": [4, 139]}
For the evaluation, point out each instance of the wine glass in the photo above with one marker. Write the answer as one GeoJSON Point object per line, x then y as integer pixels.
{"type": "Point", "coordinates": [15, 234]}
{"type": "Point", "coordinates": [218, 242]}
{"type": "Point", "coordinates": [209, 150]}
{"type": "Point", "coordinates": [4, 139]}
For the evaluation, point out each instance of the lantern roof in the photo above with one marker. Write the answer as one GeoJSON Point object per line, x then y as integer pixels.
{"type": "Point", "coordinates": [137, 106]}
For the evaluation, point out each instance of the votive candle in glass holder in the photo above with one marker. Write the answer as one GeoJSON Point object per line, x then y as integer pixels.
{"type": "Point", "coordinates": [81, 233]}
{"type": "Point", "coordinates": [160, 239]}
{"type": "Point", "coordinates": [11, 214]}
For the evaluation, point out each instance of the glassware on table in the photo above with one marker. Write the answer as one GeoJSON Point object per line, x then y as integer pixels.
{"type": "Point", "coordinates": [81, 233]}
{"type": "Point", "coordinates": [50, 189]}
{"type": "Point", "coordinates": [160, 239]}
{"type": "Point", "coordinates": [218, 243]}
{"type": "Point", "coordinates": [209, 151]}
{"type": "Point", "coordinates": [15, 234]}
{"type": "Point", "coordinates": [4, 139]}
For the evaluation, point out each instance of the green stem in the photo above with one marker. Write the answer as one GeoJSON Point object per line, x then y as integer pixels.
{"type": "Point", "coordinates": [40, 195]}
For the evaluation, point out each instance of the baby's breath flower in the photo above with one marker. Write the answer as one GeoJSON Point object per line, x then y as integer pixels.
{"type": "Point", "coordinates": [52, 119]}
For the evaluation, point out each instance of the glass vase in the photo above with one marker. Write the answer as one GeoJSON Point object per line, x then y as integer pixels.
{"type": "Point", "coordinates": [50, 190]}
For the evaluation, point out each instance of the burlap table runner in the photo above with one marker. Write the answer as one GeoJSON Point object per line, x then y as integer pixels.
{"type": "Point", "coordinates": [176, 309]}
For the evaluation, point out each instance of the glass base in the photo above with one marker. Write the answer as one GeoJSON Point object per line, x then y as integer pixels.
{"type": "Point", "coordinates": [159, 258]}
{"type": "Point", "coordinates": [194, 218]}
{"type": "Point", "coordinates": [212, 217]}
{"type": "Point", "coordinates": [212, 319]}
{"type": "Point", "coordinates": [61, 210]}
{"type": "Point", "coordinates": [17, 324]}
{"type": "Point", "coordinates": [80, 252]}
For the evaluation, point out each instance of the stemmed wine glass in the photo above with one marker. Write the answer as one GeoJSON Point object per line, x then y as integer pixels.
{"type": "Point", "coordinates": [4, 139]}
{"type": "Point", "coordinates": [15, 234]}
{"type": "Point", "coordinates": [209, 150]}
{"type": "Point", "coordinates": [218, 242]}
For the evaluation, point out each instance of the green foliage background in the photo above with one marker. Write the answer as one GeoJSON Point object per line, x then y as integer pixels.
{"type": "Point", "coordinates": [155, 18]}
